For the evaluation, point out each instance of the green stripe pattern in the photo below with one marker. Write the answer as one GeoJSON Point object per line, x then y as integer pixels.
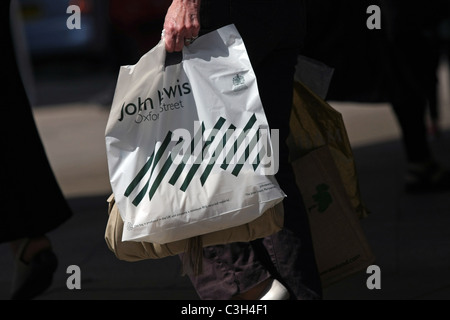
{"type": "Point", "coordinates": [163, 150]}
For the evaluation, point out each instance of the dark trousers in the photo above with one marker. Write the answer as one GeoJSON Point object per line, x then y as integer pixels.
{"type": "Point", "coordinates": [273, 33]}
{"type": "Point", "coordinates": [32, 202]}
{"type": "Point", "coordinates": [414, 46]}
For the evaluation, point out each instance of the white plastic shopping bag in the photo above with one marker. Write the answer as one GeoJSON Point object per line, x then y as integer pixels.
{"type": "Point", "coordinates": [188, 145]}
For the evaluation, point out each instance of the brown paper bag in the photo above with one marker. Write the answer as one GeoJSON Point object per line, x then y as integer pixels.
{"type": "Point", "coordinates": [340, 245]}
{"type": "Point", "coordinates": [314, 123]}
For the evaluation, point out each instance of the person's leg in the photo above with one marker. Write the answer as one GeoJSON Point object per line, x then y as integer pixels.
{"type": "Point", "coordinates": [410, 81]}
{"type": "Point", "coordinates": [243, 269]}
{"type": "Point", "coordinates": [291, 252]}
{"type": "Point", "coordinates": [227, 271]}
{"type": "Point", "coordinates": [423, 172]}
{"type": "Point", "coordinates": [34, 202]}
{"type": "Point", "coordinates": [288, 256]}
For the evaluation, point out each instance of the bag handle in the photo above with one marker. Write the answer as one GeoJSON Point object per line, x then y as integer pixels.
{"type": "Point", "coordinates": [171, 58]}
{"type": "Point", "coordinates": [158, 52]}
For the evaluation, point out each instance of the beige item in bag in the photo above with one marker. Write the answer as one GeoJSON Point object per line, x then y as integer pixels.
{"type": "Point", "coordinates": [270, 222]}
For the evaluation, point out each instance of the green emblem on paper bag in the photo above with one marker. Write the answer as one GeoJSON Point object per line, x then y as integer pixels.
{"type": "Point", "coordinates": [322, 198]}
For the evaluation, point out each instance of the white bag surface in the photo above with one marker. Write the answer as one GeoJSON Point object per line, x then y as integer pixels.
{"type": "Point", "coordinates": [187, 145]}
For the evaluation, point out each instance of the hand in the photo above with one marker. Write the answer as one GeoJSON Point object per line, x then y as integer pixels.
{"type": "Point", "coordinates": [181, 25]}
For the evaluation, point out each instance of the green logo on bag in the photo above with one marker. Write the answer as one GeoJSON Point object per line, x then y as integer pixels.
{"type": "Point", "coordinates": [239, 82]}
{"type": "Point", "coordinates": [163, 158]}
{"type": "Point", "coordinates": [322, 198]}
